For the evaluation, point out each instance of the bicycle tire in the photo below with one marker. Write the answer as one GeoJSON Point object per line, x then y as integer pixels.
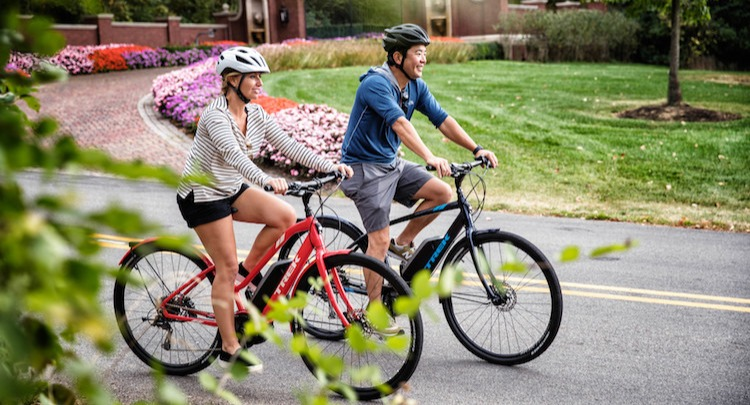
{"type": "Point", "coordinates": [396, 367]}
{"type": "Point", "coordinates": [336, 233]}
{"type": "Point", "coordinates": [148, 276]}
{"type": "Point", "coordinates": [523, 326]}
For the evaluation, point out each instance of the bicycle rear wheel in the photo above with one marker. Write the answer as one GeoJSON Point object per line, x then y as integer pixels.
{"type": "Point", "coordinates": [396, 357]}
{"type": "Point", "coordinates": [521, 320]}
{"type": "Point", "coordinates": [149, 276]}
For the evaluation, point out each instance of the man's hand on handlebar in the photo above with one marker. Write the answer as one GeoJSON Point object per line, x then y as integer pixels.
{"type": "Point", "coordinates": [440, 165]}
{"type": "Point", "coordinates": [487, 154]}
{"type": "Point", "coordinates": [345, 170]}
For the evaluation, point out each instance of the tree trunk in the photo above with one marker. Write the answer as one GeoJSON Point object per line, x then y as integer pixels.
{"type": "Point", "coordinates": [674, 94]}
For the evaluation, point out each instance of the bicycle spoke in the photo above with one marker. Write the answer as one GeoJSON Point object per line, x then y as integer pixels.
{"type": "Point", "coordinates": [519, 320]}
{"type": "Point", "coordinates": [177, 347]}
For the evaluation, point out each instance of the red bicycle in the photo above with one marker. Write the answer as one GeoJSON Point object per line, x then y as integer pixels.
{"type": "Point", "coordinates": [162, 301]}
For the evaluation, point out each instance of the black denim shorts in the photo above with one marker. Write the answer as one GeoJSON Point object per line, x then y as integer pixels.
{"type": "Point", "coordinates": [204, 212]}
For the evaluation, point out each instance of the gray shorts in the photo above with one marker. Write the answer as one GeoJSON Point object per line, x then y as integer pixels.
{"type": "Point", "coordinates": [374, 186]}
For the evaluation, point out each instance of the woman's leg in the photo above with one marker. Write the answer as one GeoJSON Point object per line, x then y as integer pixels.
{"type": "Point", "coordinates": [260, 207]}
{"type": "Point", "coordinates": [218, 239]}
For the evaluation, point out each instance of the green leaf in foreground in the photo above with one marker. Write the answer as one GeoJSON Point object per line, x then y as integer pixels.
{"type": "Point", "coordinates": [610, 249]}
{"type": "Point", "coordinates": [570, 253]}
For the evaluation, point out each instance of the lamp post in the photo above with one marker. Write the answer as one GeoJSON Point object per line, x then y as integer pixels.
{"type": "Point", "coordinates": [210, 33]}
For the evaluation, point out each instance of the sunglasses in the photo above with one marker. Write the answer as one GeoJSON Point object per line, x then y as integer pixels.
{"type": "Point", "coordinates": [404, 101]}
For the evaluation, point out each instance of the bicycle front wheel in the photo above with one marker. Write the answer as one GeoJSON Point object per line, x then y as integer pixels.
{"type": "Point", "coordinates": [148, 277]}
{"type": "Point", "coordinates": [392, 358]}
{"type": "Point", "coordinates": [520, 318]}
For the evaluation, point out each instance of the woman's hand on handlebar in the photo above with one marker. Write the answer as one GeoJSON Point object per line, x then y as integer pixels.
{"type": "Point", "coordinates": [279, 185]}
{"type": "Point", "coordinates": [487, 154]}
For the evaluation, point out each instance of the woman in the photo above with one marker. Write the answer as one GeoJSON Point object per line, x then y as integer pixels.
{"type": "Point", "coordinates": [230, 130]}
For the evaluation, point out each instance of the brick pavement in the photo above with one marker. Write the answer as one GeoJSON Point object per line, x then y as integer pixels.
{"type": "Point", "coordinates": [113, 112]}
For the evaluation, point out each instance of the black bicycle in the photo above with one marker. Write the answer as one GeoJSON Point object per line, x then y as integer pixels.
{"type": "Point", "coordinates": [508, 308]}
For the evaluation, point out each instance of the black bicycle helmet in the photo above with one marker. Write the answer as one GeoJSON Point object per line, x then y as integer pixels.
{"type": "Point", "coordinates": [400, 38]}
{"type": "Point", "coordinates": [404, 36]}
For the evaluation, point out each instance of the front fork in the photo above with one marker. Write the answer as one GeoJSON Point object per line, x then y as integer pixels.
{"type": "Point", "coordinates": [493, 287]}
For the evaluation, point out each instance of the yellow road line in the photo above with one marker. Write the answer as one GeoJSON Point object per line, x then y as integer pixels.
{"type": "Point", "coordinates": [628, 290]}
{"type": "Point", "coordinates": [120, 242]}
{"type": "Point", "coordinates": [570, 289]}
{"type": "Point", "coordinates": [662, 301]}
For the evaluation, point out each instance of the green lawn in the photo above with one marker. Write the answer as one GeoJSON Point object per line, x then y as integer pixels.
{"type": "Point", "coordinates": [563, 151]}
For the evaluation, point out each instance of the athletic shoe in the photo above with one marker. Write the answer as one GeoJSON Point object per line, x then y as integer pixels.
{"type": "Point", "coordinates": [226, 360]}
{"type": "Point", "coordinates": [402, 253]}
{"type": "Point", "coordinates": [392, 329]}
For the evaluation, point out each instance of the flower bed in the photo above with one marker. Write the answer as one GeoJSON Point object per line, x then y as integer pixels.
{"type": "Point", "coordinates": [274, 104]}
{"type": "Point", "coordinates": [291, 54]}
{"type": "Point", "coordinates": [111, 59]}
{"type": "Point", "coordinates": [77, 60]}
{"type": "Point", "coordinates": [181, 95]}
{"type": "Point", "coordinates": [318, 127]}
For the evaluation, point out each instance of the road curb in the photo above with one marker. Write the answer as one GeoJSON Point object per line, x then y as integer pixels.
{"type": "Point", "coordinates": [161, 126]}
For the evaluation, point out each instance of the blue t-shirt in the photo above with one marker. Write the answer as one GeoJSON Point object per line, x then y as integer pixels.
{"type": "Point", "coordinates": [378, 104]}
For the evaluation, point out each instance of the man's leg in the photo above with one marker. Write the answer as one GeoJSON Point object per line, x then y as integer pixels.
{"type": "Point", "coordinates": [373, 197]}
{"type": "Point", "coordinates": [435, 192]}
{"type": "Point", "coordinates": [377, 247]}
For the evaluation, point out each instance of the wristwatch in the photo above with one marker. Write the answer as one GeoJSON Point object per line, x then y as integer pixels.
{"type": "Point", "coordinates": [477, 149]}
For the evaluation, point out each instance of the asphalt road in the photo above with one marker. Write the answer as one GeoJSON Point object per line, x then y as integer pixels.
{"type": "Point", "coordinates": [667, 322]}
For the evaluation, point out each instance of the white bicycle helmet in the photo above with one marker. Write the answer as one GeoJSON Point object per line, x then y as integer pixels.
{"type": "Point", "coordinates": [243, 60]}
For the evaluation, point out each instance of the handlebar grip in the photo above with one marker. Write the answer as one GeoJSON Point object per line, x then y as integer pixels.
{"type": "Point", "coordinates": [267, 187]}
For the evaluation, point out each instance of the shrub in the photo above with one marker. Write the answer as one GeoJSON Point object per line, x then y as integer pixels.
{"type": "Point", "coordinates": [488, 51]}
{"type": "Point", "coordinates": [297, 54]}
{"type": "Point", "coordinates": [587, 36]}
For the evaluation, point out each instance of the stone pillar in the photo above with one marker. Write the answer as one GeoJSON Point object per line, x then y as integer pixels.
{"type": "Point", "coordinates": [294, 28]}
{"type": "Point", "coordinates": [222, 17]}
{"type": "Point", "coordinates": [104, 32]}
{"type": "Point", "coordinates": [173, 30]}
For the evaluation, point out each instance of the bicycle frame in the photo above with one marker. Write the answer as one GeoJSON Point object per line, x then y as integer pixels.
{"type": "Point", "coordinates": [442, 245]}
{"type": "Point", "coordinates": [298, 267]}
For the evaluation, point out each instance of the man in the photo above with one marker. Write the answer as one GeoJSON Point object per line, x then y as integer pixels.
{"type": "Point", "coordinates": [379, 123]}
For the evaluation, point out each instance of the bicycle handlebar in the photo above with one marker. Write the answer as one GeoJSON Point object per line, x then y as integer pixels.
{"type": "Point", "coordinates": [300, 188]}
{"type": "Point", "coordinates": [458, 169]}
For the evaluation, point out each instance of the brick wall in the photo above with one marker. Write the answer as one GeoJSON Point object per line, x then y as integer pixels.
{"type": "Point", "coordinates": [101, 29]}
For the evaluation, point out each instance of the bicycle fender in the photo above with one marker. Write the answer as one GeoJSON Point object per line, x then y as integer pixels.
{"type": "Point", "coordinates": [344, 222]}
{"type": "Point", "coordinates": [336, 253]}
